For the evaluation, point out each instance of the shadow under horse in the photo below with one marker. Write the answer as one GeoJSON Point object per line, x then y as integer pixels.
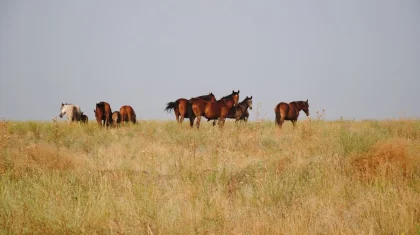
{"type": "Point", "coordinates": [214, 110]}
{"type": "Point", "coordinates": [290, 111]}
{"type": "Point", "coordinates": [183, 108]}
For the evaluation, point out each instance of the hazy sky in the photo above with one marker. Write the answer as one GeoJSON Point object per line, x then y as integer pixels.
{"type": "Point", "coordinates": [357, 58]}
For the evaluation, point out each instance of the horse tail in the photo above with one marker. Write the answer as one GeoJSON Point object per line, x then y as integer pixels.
{"type": "Point", "coordinates": [133, 116]}
{"type": "Point", "coordinates": [278, 116]}
{"type": "Point", "coordinates": [171, 105]}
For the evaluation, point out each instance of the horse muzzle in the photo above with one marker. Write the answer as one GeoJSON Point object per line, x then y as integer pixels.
{"type": "Point", "coordinates": [61, 115]}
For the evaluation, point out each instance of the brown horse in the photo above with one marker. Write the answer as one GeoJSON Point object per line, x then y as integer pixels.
{"type": "Point", "coordinates": [214, 110]}
{"type": "Point", "coordinates": [84, 118]}
{"type": "Point", "coordinates": [182, 107]}
{"type": "Point", "coordinates": [103, 113]}
{"type": "Point", "coordinates": [127, 114]}
{"type": "Point", "coordinates": [116, 118]}
{"type": "Point", "coordinates": [240, 111]}
{"type": "Point", "coordinates": [290, 112]}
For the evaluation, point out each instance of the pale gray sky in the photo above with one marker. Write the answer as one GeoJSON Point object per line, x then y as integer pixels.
{"type": "Point", "coordinates": [357, 58]}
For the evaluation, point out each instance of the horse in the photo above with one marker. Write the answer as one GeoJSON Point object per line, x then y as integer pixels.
{"type": "Point", "coordinates": [240, 111]}
{"type": "Point", "coordinates": [290, 111]}
{"type": "Point", "coordinates": [84, 118]}
{"type": "Point", "coordinates": [127, 114]}
{"type": "Point", "coordinates": [103, 113]}
{"type": "Point", "coordinates": [214, 110]}
{"type": "Point", "coordinates": [182, 108]}
{"type": "Point", "coordinates": [116, 118]}
{"type": "Point", "coordinates": [73, 112]}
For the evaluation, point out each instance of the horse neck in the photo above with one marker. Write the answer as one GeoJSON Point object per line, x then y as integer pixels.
{"type": "Point", "coordinates": [244, 106]}
{"type": "Point", "coordinates": [206, 97]}
{"type": "Point", "coordinates": [68, 108]}
{"type": "Point", "coordinates": [296, 105]}
{"type": "Point", "coordinates": [226, 102]}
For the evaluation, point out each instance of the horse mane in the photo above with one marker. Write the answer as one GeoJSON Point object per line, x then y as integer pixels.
{"type": "Point", "coordinates": [227, 97]}
{"type": "Point", "coordinates": [100, 104]}
{"type": "Point", "coordinates": [230, 95]}
{"type": "Point", "coordinates": [298, 103]}
{"type": "Point", "coordinates": [246, 98]}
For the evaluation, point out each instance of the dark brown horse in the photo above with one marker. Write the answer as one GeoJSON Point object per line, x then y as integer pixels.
{"type": "Point", "coordinates": [240, 111]}
{"type": "Point", "coordinates": [103, 113]}
{"type": "Point", "coordinates": [214, 110]}
{"type": "Point", "coordinates": [290, 112]}
{"type": "Point", "coordinates": [182, 107]}
{"type": "Point", "coordinates": [116, 118]}
{"type": "Point", "coordinates": [127, 114]}
{"type": "Point", "coordinates": [84, 118]}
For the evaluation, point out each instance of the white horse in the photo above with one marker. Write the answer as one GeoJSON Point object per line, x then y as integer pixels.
{"type": "Point", "coordinates": [73, 112]}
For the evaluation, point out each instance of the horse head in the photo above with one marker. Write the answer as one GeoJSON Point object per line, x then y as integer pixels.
{"type": "Point", "coordinates": [62, 110]}
{"type": "Point", "coordinates": [235, 97]}
{"type": "Point", "coordinates": [304, 105]}
{"type": "Point", "coordinates": [249, 101]}
{"type": "Point", "coordinates": [212, 98]}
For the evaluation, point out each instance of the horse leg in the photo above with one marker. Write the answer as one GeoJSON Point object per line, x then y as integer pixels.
{"type": "Point", "coordinates": [294, 123]}
{"type": "Point", "coordinates": [221, 122]}
{"type": "Point", "coordinates": [214, 122]}
{"type": "Point", "coordinates": [191, 121]}
{"type": "Point", "coordinates": [177, 116]}
{"type": "Point", "coordinates": [198, 122]}
{"type": "Point", "coordinates": [181, 119]}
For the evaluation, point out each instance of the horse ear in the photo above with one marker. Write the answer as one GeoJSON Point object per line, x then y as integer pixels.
{"type": "Point", "coordinates": [251, 97]}
{"type": "Point", "coordinates": [306, 100]}
{"type": "Point", "coordinates": [233, 91]}
{"type": "Point", "coordinates": [238, 91]}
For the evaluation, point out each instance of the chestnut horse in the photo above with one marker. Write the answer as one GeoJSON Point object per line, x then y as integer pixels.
{"type": "Point", "coordinates": [103, 113]}
{"type": "Point", "coordinates": [240, 111]}
{"type": "Point", "coordinates": [214, 110]}
{"type": "Point", "coordinates": [116, 118]}
{"type": "Point", "coordinates": [84, 118]}
{"type": "Point", "coordinates": [182, 108]}
{"type": "Point", "coordinates": [127, 114]}
{"type": "Point", "coordinates": [290, 112]}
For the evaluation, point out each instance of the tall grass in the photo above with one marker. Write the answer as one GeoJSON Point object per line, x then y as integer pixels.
{"type": "Point", "coordinates": [341, 177]}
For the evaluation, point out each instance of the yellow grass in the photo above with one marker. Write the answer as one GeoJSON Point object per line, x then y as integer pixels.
{"type": "Point", "coordinates": [341, 177]}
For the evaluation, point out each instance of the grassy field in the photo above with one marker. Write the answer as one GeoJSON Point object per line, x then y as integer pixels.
{"type": "Point", "coordinates": [324, 177]}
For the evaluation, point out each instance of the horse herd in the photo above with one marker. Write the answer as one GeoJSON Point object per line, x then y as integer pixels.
{"type": "Point", "coordinates": [103, 114]}
{"type": "Point", "coordinates": [202, 106]}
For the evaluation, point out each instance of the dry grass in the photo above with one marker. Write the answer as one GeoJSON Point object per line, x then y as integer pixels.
{"type": "Point", "coordinates": [340, 177]}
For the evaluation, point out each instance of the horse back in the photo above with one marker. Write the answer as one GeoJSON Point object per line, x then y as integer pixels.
{"type": "Point", "coordinates": [216, 109]}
